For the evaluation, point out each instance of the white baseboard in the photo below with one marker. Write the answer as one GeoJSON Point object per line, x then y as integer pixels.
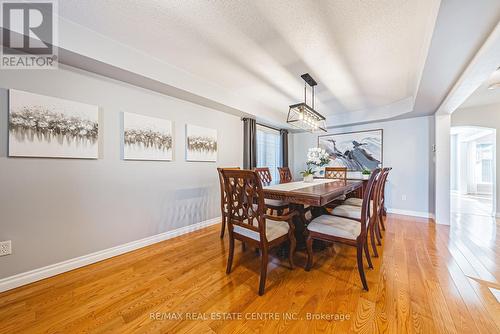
{"type": "Point", "coordinates": [31, 276]}
{"type": "Point", "coordinates": [420, 214]}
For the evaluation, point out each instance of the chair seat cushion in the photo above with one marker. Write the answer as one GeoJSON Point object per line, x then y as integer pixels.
{"type": "Point", "coordinates": [275, 203]}
{"type": "Point", "coordinates": [274, 230]}
{"type": "Point", "coordinates": [335, 226]}
{"type": "Point", "coordinates": [349, 211]}
{"type": "Point", "coordinates": [356, 202]}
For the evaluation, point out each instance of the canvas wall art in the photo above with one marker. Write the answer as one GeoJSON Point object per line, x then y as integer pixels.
{"type": "Point", "coordinates": [355, 150]}
{"type": "Point", "coordinates": [45, 126]}
{"type": "Point", "coordinates": [201, 143]}
{"type": "Point", "coordinates": [146, 138]}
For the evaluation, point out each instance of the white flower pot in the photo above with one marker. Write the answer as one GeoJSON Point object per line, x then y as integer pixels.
{"type": "Point", "coordinates": [365, 176]}
{"type": "Point", "coordinates": [309, 178]}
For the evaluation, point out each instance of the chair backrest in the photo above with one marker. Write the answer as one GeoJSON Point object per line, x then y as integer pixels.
{"type": "Point", "coordinates": [336, 173]}
{"type": "Point", "coordinates": [377, 191]}
{"type": "Point", "coordinates": [285, 174]}
{"type": "Point", "coordinates": [245, 200]}
{"type": "Point", "coordinates": [223, 195]}
{"type": "Point", "coordinates": [264, 175]}
{"type": "Point", "coordinates": [367, 196]}
{"type": "Point", "coordinates": [382, 200]}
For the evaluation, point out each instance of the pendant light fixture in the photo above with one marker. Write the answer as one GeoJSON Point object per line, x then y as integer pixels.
{"type": "Point", "coordinates": [304, 117]}
{"type": "Point", "coordinates": [494, 81]}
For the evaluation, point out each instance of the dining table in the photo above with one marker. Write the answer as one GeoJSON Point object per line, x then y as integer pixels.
{"type": "Point", "coordinates": [312, 196]}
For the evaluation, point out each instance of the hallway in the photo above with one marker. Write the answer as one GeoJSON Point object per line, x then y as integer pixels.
{"type": "Point", "coordinates": [481, 205]}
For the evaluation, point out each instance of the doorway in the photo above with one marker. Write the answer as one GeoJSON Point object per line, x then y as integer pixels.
{"type": "Point", "coordinates": [473, 170]}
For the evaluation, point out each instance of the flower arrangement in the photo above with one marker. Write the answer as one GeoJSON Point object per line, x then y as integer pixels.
{"type": "Point", "coordinates": [316, 157]}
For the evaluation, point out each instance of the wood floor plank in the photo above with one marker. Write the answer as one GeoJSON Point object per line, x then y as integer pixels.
{"type": "Point", "coordinates": [427, 279]}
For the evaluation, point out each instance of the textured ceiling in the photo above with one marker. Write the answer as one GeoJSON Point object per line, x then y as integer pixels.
{"type": "Point", "coordinates": [366, 55]}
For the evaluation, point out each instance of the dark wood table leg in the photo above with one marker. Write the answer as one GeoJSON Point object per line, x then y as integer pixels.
{"type": "Point", "coordinates": [300, 223]}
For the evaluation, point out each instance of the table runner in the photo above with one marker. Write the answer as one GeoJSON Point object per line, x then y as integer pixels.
{"type": "Point", "coordinates": [297, 185]}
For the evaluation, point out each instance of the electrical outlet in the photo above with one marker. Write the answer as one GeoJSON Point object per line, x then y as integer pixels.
{"type": "Point", "coordinates": [5, 248]}
{"type": "Point", "coordinates": [403, 197]}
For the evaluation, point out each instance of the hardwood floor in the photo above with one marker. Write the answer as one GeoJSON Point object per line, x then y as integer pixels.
{"type": "Point", "coordinates": [428, 279]}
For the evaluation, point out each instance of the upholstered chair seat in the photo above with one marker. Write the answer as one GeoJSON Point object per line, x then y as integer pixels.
{"type": "Point", "coordinates": [349, 211]}
{"type": "Point", "coordinates": [275, 203]}
{"type": "Point", "coordinates": [335, 226]}
{"type": "Point", "coordinates": [274, 230]}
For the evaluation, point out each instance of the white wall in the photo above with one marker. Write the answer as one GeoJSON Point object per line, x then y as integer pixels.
{"type": "Point", "coordinates": [487, 116]}
{"type": "Point", "coordinates": [442, 167]}
{"type": "Point", "coordinates": [58, 209]}
{"type": "Point", "coordinates": [407, 148]}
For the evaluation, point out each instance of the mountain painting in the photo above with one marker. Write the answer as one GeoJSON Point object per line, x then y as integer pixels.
{"type": "Point", "coordinates": [355, 150]}
{"type": "Point", "coordinates": [45, 126]}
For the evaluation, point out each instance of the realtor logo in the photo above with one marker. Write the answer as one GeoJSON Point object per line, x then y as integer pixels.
{"type": "Point", "coordinates": [28, 34]}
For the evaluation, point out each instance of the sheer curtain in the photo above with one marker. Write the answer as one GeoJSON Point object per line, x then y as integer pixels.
{"type": "Point", "coordinates": [269, 150]}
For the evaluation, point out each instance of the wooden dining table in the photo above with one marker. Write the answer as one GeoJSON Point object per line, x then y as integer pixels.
{"type": "Point", "coordinates": [315, 194]}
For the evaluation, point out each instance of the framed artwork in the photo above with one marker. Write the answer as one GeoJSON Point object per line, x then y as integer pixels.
{"type": "Point", "coordinates": [201, 143]}
{"type": "Point", "coordinates": [45, 126]}
{"type": "Point", "coordinates": [355, 150]}
{"type": "Point", "coordinates": [146, 138]}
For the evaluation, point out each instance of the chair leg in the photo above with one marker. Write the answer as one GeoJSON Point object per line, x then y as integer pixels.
{"type": "Point", "coordinates": [382, 221]}
{"type": "Point", "coordinates": [231, 254]}
{"type": "Point", "coordinates": [360, 265]}
{"type": "Point", "coordinates": [372, 239]}
{"type": "Point", "coordinates": [223, 227]}
{"type": "Point", "coordinates": [309, 246]}
{"type": "Point", "coordinates": [367, 254]}
{"type": "Point", "coordinates": [377, 232]}
{"type": "Point", "coordinates": [263, 270]}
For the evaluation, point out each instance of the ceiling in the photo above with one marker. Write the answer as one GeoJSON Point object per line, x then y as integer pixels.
{"type": "Point", "coordinates": [370, 58]}
{"type": "Point", "coordinates": [483, 96]}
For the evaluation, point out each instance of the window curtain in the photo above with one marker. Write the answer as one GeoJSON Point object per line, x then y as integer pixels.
{"type": "Point", "coordinates": [249, 143]}
{"type": "Point", "coordinates": [284, 147]}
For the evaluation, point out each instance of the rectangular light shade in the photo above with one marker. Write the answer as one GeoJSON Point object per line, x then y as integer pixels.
{"type": "Point", "coordinates": [306, 118]}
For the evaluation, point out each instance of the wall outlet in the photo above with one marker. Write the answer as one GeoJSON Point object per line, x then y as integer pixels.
{"type": "Point", "coordinates": [5, 248]}
{"type": "Point", "coordinates": [403, 197]}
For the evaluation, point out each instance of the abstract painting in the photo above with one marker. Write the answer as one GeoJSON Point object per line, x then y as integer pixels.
{"type": "Point", "coordinates": [355, 150]}
{"type": "Point", "coordinates": [45, 126]}
{"type": "Point", "coordinates": [201, 143]}
{"type": "Point", "coordinates": [146, 138]}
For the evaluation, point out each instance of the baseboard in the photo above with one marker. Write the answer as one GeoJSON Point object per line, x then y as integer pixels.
{"type": "Point", "coordinates": [31, 276]}
{"type": "Point", "coordinates": [420, 214]}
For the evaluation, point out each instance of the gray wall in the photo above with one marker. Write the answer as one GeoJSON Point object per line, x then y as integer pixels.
{"type": "Point", "coordinates": [407, 148]}
{"type": "Point", "coordinates": [58, 209]}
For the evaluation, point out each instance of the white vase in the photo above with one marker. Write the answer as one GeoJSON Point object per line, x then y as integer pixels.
{"type": "Point", "coordinates": [365, 176]}
{"type": "Point", "coordinates": [309, 178]}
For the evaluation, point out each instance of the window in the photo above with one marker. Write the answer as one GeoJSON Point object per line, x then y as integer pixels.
{"type": "Point", "coordinates": [269, 150]}
{"type": "Point", "coordinates": [484, 161]}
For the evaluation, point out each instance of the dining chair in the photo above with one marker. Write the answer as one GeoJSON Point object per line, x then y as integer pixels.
{"type": "Point", "coordinates": [274, 205]}
{"type": "Point", "coordinates": [351, 208]}
{"type": "Point", "coordinates": [249, 223]}
{"type": "Point", "coordinates": [384, 210]}
{"type": "Point", "coordinates": [344, 230]}
{"type": "Point", "coordinates": [223, 206]}
{"type": "Point", "coordinates": [285, 174]}
{"type": "Point", "coordinates": [336, 173]}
